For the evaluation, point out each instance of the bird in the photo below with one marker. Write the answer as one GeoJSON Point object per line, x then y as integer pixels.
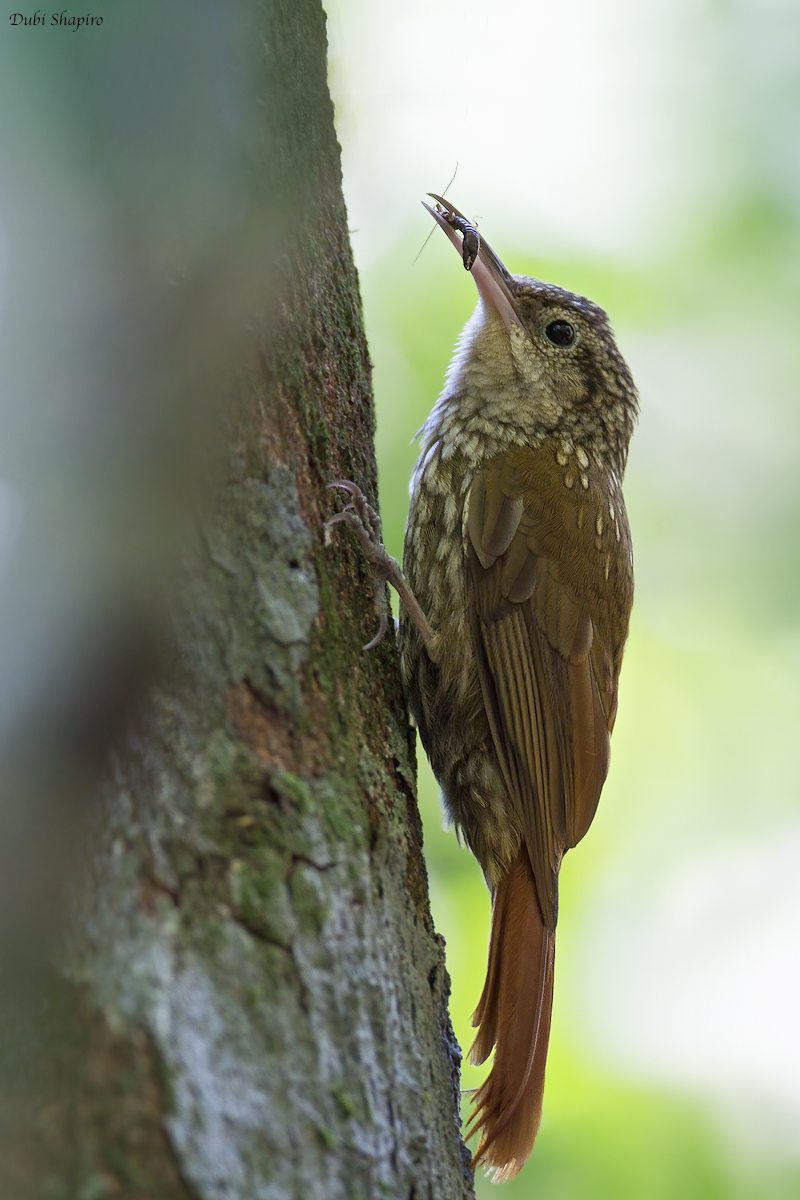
{"type": "Point", "coordinates": [516, 590]}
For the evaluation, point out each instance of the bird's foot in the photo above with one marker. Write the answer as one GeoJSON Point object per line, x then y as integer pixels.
{"type": "Point", "coordinates": [361, 517]}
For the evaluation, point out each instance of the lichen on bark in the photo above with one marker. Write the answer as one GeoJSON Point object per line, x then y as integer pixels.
{"type": "Point", "coordinates": [252, 965]}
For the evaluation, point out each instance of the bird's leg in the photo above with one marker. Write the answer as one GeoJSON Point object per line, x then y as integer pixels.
{"type": "Point", "coordinates": [365, 523]}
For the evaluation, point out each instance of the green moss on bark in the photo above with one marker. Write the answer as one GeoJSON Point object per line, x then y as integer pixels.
{"type": "Point", "coordinates": [255, 922]}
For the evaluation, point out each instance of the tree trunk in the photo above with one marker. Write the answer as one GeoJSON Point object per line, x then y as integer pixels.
{"type": "Point", "coordinates": [250, 999]}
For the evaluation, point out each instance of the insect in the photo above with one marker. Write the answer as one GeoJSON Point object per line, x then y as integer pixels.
{"type": "Point", "coordinates": [471, 239]}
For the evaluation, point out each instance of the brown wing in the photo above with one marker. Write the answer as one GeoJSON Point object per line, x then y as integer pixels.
{"type": "Point", "coordinates": [550, 568]}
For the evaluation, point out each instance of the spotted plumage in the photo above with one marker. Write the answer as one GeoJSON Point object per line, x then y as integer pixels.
{"type": "Point", "coordinates": [516, 597]}
{"type": "Point", "coordinates": [518, 550]}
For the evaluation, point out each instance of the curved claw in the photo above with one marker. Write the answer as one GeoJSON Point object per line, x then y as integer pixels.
{"type": "Point", "coordinates": [347, 486]}
{"type": "Point", "coordinates": [338, 517]}
{"type": "Point", "coordinates": [380, 635]}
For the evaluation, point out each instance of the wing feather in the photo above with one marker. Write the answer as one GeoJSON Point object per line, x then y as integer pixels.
{"type": "Point", "coordinates": [548, 655]}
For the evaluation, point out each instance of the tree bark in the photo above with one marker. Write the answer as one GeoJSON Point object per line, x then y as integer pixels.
{"type": "Point", "coordinates": [250, 999]}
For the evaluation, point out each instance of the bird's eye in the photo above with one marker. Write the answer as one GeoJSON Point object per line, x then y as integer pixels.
{"type": "Point", "coordinates": [560, 333]}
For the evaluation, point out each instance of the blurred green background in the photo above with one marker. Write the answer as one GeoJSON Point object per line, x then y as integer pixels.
{"type": "Point", "coordinates": [648, 157]}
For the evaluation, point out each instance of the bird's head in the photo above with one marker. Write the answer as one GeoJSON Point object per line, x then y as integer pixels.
{"type": "Point", "coordinates": [557, 346]}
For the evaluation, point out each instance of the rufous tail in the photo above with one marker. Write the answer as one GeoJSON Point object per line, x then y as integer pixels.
{"type": "Point", "coordinates": [513, 1013]}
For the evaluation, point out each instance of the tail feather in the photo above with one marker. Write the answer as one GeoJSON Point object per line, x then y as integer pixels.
{"type": "Point", "coordinates": [513, 1013]}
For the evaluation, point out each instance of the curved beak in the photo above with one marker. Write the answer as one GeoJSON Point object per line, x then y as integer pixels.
{"type": "Point", "coordinates": [491, 278]}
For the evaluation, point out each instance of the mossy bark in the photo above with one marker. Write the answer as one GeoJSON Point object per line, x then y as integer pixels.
{"type": "Point", "coordinates": [252, 1000]}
